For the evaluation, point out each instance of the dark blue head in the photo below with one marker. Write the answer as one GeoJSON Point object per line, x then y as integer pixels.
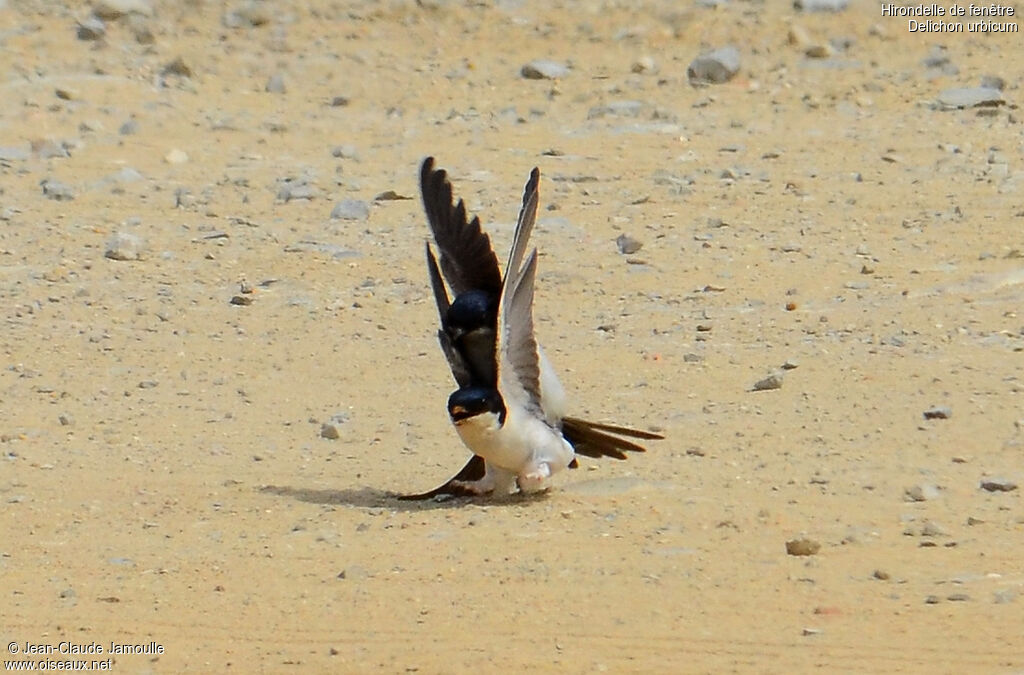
{"type": "Point", "coordinates": [472, 310]}
{"type": "Point", "coordinates": [472, 401]}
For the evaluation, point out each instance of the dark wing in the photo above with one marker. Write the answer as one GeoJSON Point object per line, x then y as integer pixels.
{"type": "Point", "coordinates": [593, 439]}
{"type": "Point", "coordinates": [460, 369]}
{"type": "Point", "coordinates": [473, 471]}
{"type": "Point", "coordinates": [467, 259]}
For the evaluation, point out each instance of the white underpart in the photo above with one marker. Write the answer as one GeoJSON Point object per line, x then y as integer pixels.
{"type": "Point", "coordinates": [525, 446]}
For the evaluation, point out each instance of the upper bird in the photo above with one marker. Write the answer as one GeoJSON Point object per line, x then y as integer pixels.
{"type": "Point", "coordinates": [510, 406]}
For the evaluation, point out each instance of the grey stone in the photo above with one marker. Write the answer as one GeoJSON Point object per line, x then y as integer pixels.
{"type": "Point", "coordinates": [617, 109]}
{"type": "Point", "coordinates": [938, 413]}
{"type": "Point", "coordinates": [921, 493]}
{"type": "Point", "coordinates": [275, 85]}
{"type": "Point", "coordinates": [295, 188]}
{"type": "Point", "coordinates": [48, 149]}
{"type": "Point", "coordinates": [123, 246]}
{"type": "Point", "coordinates": [92, 28]}
{"type": "Point", "coordinates": [128, 128]}
{"type": "Point", "coordinates": [969, 97]}
{"type": "Point", "coordinates": [932, 529]}
{"type": "Point", "coordinates": [627, 244]}
{"type": "Point", "coordinates": [115, 9]}
{"type": "Point", "coordinates": [13, 153]}
{"type": "Point", "coordinates": [544, 69]}
{"type": "Point", "coordinates": [993, 82]}
{"type": "Point", "coordinates": [54, 189]}
{"type": "Point", "coordinates": [247, 15]}
{"type": "Point", "coordinates": [773, 381]}
{"type": "Point", "coordinates": [998, 485]}
{"type": "Point", "coordinates": [345, 152]}
{"type": "Point", "coordinates": [351, 209]}
{"type": "Point", "coordinates": [714, 67]}
{"type": "Point", "coordinates": [820, 5]}
{"type": "Point", "coordinates": [329, 431]}
{"type": "Point", "coordinates": [177, 67]}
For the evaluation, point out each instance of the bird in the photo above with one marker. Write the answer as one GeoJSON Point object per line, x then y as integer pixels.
{"type": "Point", "coordinates": [510, 408]}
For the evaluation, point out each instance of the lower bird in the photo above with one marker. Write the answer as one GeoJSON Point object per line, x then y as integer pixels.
{"type": "Point", "coordinates": [510, 408]}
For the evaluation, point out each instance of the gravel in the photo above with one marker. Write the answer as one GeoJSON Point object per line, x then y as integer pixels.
{"type": "Point", "coordinates": [802, 547]}
{"type": "Point", "coordinates": [56, 190]}
{"type": "Point", "coordinates": [351, 209]}
{"type": "Point", "coordinates": [627, 244]}
{"type": "Point", "coordinates": [969, 97]}
{"type": "Point", "coordinates": [998, 485]}
{"type": "Point", "coordinates": [544, 69]}
{"type": "Point", "coordinates": [123, 246]}
{"type": "Point", "coordinates": [714, 67]}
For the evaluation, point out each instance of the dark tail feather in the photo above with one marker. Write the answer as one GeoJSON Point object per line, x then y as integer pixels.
{"type": "Point", "coordinates": [593, 439]}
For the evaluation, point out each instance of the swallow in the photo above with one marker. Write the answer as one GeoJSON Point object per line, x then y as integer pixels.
{"type": "Point", "coordinates": [510, 407]}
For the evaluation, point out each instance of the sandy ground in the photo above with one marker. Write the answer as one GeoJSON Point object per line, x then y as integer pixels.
{"type": "Point", "coordinates": [163, 476]}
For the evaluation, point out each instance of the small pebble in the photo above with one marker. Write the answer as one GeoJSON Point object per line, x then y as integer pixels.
{"type": "Point", "coordinates": [881, 575]}
{"type": "Point", "coordinates": [921, 493]}
{"type": "Point", "coordinates": [56, 190]}
{"type": "Point", "coordinates": [351, 209]}
{"type": "Point", "coordinates": [802, 547]}
{"type": "Point", "coordinates": [176, 156]}
{"type": "Point", "coordinates": [993, 82]}
{"type": "Point", "coordinates": [329, 431]}
{"type": "Point", "coordinates": [294, 189]}
{"type": "Point", "coordinates": [714, 67]}
{"type": "Point", "coordinates": [115, 9]}
{"type": "Point", "coordinates": [933, 529]}
{"type": "Point", "coordinates": [543, 69]}
{"type": "Point", "coordinates": [1004, 596]}
{"type": "Point", "coordinates": [177, 67]}
{"type": "Point", "coordinates": [345, 152]}
{"type": "Point", "coordinates": [248, 15]}
{"type": "Point", "coordinates": [998, 485]}
{"type": "Point", "coordinates": [644, 64]}
{"type": "Point", "coordinates": [820, 5]}
{"type": "Point", "coordinates": [969, 97]}
{"type": "Point", "coordinates": [938, 413]}
{"type": "Point", "coordinates": [65, 420]}
{"type": "Point", "coordinates": [275, 85]}
{"type": "Point", "coordinates": [932, 600]}
{"type": "Point", "coordinates": [92, 28]}
{"type": "Point", "coordinates": [627, 244]}
{"type": "Point", "coordinates": [773, 381]}
{"type": "Point", "coordinates": [128, 128]}
{"type": "Point", "coordinates": [123, 246]}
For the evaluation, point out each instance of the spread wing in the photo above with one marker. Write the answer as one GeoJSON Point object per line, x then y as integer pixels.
{"type": "Point", "coordinates": [457, 363]}
{"type": "Point", "coordinates": [518, 360]}
{"type": "Point", "coordinates": [516, 348]}
{"type": "Point", "coordinates": [524, 225]}
{"type": "Point", "coordinates": [467, 259]}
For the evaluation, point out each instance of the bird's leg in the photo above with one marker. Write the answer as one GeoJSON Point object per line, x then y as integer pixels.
{"type": "Point", "coordinates": [532, 480]}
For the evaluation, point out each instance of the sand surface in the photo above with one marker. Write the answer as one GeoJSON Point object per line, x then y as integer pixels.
{"type": "Point", "coordinates": [164, 479]}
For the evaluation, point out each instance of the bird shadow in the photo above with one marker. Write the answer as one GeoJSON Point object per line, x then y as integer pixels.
{"type": "Point", "coordinates": [367, 497]}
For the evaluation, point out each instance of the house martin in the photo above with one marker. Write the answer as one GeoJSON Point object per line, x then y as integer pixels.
{"type": "Point", "coordinates": [510, 408]}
